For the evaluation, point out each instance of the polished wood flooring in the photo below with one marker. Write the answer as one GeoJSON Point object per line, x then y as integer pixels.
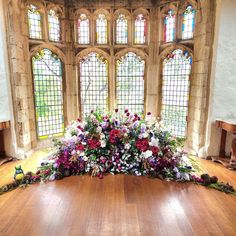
{"type": "Point", "coordinates": [116, 205]}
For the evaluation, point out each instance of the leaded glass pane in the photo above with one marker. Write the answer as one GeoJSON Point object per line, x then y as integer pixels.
{"type": "Point", "coordinates": [101, 29]}
{"type": "Point", "coordinates": [121, 30]}
{"type": "Point", "coordinates": [188, 23]}
{"type": "Point", "coordinates": [175, 91]}
{"type": "Point", "coordinates": [169, 26]}
{"type": "Point", "coordinates": [54, 26]}
{"type": "Point", "coordinates": [83, 29]}
{"type": "Point", "coordinates": [130, 83]}
{"type": "Point", "coordinates": [48, 93]}
{"type": "Point", "coordinates": [34, 21]}
{"type": "Point", "coordinates": [93, 83]}
{"type": "Point", "coordinates": [140, 30]}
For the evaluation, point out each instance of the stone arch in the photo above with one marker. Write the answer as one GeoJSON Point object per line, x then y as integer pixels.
{"type": "Point", "coordinates": [123, 52]}
{"type": "Point", "coordinates": [171, 48]}
{"type": "Point", "coordinates": [82, 11]}
{"type": "Point", "coordinates": [51, 47]}
{"type": "Point", "coordinates": [184, 4]}
{"type": "Point", "coordinates": [102, 11]}
{"type": "Point", "coordinates": [86, 51]}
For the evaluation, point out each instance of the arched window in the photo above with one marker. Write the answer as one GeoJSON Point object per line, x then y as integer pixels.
{"type": "Point", "coordinates": [48, 93]}
{"type": "Point", "coordinates": [121, 30]}
{"type": "Point", "coordinates": [54, 26]}
{"type": "Point", "coordinates": [188, 23]}
{"type": "Point", "coordinates": [169, 26]}
{"type": "Point", "coordinates": [34, 22]}
{"type": "Point", "coordinates": [93, 83]}
{"type": "Point", "coordinates": [83, 29]}
{"type": "Point", "coordinates": [140, 30]}
{"type": "Point", "coordinates": [130, 83]}
{"type": "Point", "coordinates": [101, 29]}
{"type": "Point", "coordinates": [175, 91]}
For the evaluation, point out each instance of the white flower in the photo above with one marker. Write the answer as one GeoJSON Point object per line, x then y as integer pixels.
{"type": "Point", "coordinates": [73, 152]}
{"type": "Point", "coordinates": [154, 142]}
{"type": "Point", "coordinates": [127, 146]}
{"type": "Point", "coordinates": [99, 129]}
{"type": "Point", "coordinates": [147, 154]}
{"type": "Point", "coordinates": [80, 153]}
{"type": "Point", "coordinates": [85, 158]}
{"type": "Point", "coordinates": [103, 143]}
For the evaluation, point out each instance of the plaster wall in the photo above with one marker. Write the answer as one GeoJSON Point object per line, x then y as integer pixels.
{"type": "Point", "coordinates": [223, 85]}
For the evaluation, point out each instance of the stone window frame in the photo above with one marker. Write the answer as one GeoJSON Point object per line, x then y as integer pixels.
{"type": "Point", "coordinates": [118, 56]}
{"type": "Point", "coordinates": [41, 10]}
{"type": "Point", "coordinates": [146, 16]}
{"type": "Point", "coordinates": [62, 57]}
{"type": "Point", "coordinates": [77, 14]}
{"type": "Point", "coordinates": [163, 55]}
{"type": "Point", "coordinates": [182, 8]}
{"type": "Point", "coordinates": [109, 33]}
{"type": "Point", "coordinates": [127, 14]}
{"type": "Point", "coordinates": [80, 56]}
{"type": "Point", "coordinates": [60, 13]}
{"type": "Point", "coordinates": [164, 12]}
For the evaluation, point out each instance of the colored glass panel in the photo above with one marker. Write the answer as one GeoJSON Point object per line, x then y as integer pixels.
{"type": "Point", "coordinates": [83, 29]}
{"type": "Point", "coordinates": [121, 30]}
{"type": "Point", "coordinates": [188, 23]}
{"type": "Point", "coordinates": [101, 29]}
{"type": "Point", "coordinates": [169, 26]}
{"type": "Point", "coordinates": [54, 26]}
{"type": "Point", "coordinates": [140, 30]}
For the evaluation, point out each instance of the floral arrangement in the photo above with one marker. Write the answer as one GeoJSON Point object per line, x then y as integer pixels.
{"type": "Point", "coordinates": [119, 143]}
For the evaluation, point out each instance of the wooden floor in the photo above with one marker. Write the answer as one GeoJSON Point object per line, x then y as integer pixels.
{"type": "Point", "coordinates": [116, 205]}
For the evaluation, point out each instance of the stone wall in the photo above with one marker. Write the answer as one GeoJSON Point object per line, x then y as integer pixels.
{"type": "Point", "coordinates": [21, 49]}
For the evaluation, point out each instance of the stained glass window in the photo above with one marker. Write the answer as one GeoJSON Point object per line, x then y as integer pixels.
{"type": "Point", "coordinates": [121, 30]}
{"type": "Point", "coordinates": [101, 29]}
{"type": "Point", "coordinates": [83, 29]}
{"type": "Point", "coordinates": [140, 30]}
{"type": "Point", "coordinates": [188, 23]}
{"type": "Point", "coordinates": [93, 83]}
{"type": "Point", "coordinates": [130, 83]}
{"type": "Point", "coordinates": [169, 26]}
{"type": "Point", "coordinates": [35, 24]}
{"type": "Point", "coordinates": [54, 26]}
{"type": "Point", "coordinates": [175, 91]}
{"type": "Point", "coordinates": [48, 93]}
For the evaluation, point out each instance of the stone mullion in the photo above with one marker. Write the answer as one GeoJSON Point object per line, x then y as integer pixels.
{"type": "Point", "coordinates": [152, 65]}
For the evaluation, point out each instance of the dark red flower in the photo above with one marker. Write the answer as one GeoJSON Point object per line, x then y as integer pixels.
{"type": "Point", "coordinates": [116, 110]}
{"type": "Point", "coordinates": [115, 135]}
{"type": "Point", "coordinates": [94, 143]}
{"type": "Point", "coordinates": [142, 144]}
{"type": "Point", "coordinates": [79, 147]}
{"type": "Point", "coordinates": [126, 110]}
{"type": "Point", "coordinates": [78, 119]}
{"type": "Point", "coordinates": [79, 127]}
{"type": "Point", "coordinates": [127, 114]}
{"type": "Point", "coordinates": [155, 150]}
{"type": "Point", "coordinates": [149, 113]}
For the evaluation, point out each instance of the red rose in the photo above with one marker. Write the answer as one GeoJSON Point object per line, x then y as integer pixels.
{"type": "Point", "coordinates": [155, 150]}
{"type": "Point", "coordinates": [94, 143]}
{"type": "Point", "coordinates": [142, 144]}
{"type": "Point", "coordinates": [79, 147]}
{"type": "Point", "coordinates": [115, 135]}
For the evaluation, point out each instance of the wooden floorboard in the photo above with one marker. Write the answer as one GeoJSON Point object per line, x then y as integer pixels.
{"type": "Point", "coordinates": [116, 205]}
